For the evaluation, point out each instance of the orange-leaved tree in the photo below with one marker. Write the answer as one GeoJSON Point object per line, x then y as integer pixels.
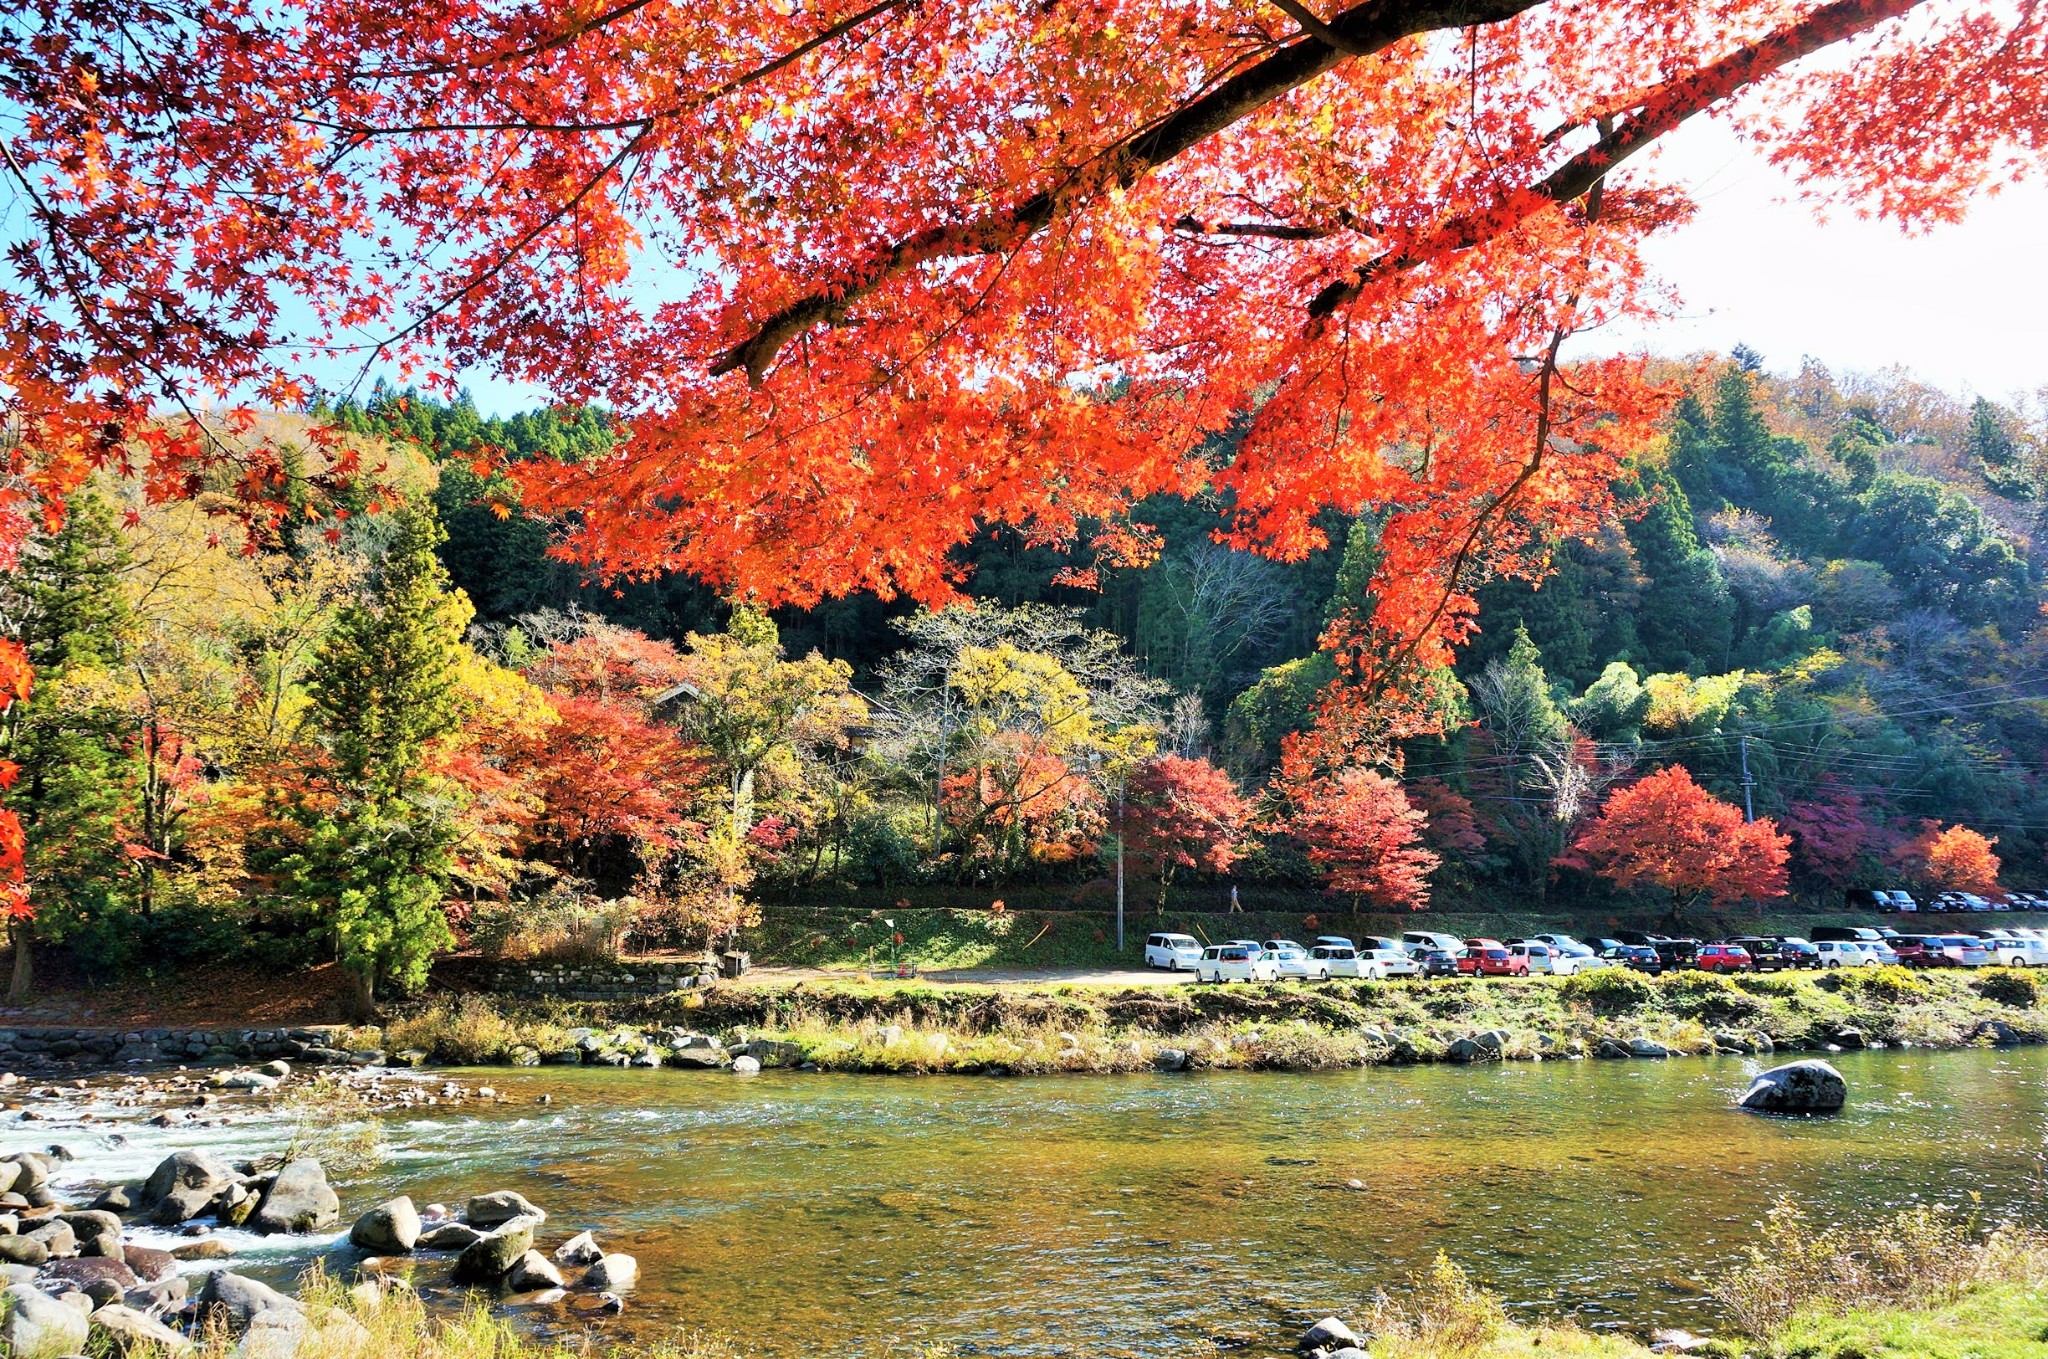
{"type": "Point", "coordinates": [1182, 813]}
{"type": "Point", "coordinates": [1667, 832]}
{"type": "Point", "coordinates": [862, 278]}
{"type": "Point", "coordinates": [1954, 858]}
{"type": "Point", "coordinates": [1361, 832]}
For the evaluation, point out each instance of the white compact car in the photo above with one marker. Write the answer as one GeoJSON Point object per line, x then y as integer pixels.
{"type": "Point", "coordinates": [1378, 964]}
{"type": "Point", "coordinates": [2010, 948]}
{"type": "Point", "coordinates": [1234, 962]}
{"type": "Point", "coordinates": [1174, 952]}
{"type": "Point", "coordinates": [1428, 941]}
{"type": "Point", "coordinates": [1843, 953]}
{"type": "Point", "coordinates": [1290, 957]}
{"type": "Point", "coordinates": [1334, 960]}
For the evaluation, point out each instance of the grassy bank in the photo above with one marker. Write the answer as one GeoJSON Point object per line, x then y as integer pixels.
{"type": "Point", "coordinates": [1925, 1285]}
{"type": "Point", "coordinates": [949, 937]}
{"type": "Point", "coordinates": [925, 1027]}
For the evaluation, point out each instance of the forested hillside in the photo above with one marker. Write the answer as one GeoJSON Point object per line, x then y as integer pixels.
{"type": "Point", "coordinates": [407, 727]}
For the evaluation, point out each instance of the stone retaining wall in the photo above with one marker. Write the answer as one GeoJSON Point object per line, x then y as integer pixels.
{"type": "Point", "coordinates": [597, 981]}
{"type": "Point", "coordinates": [41, 1047]}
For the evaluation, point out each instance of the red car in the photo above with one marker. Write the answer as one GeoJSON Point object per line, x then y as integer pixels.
{"type": "Point", "coordinates": [1724, 958]}
{"type": "Point", "coordinates": [1490, 958]}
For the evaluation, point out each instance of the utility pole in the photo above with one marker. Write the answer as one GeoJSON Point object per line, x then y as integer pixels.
{"type": "Point", "coordinates": [1748, 809]}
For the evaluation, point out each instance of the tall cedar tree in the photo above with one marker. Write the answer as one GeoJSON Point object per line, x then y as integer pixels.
{"type": "Point", "coordinates": [380, 848]}
{"type": "Point", "coordinates": [74, 801]}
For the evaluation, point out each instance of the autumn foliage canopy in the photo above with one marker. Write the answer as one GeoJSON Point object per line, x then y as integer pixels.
{"type": "Point", "coordinates": [864, 277]}
{"type": "Point", "coordinates": [1665, 831]}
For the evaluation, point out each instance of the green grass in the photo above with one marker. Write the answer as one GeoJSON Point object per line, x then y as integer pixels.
{"type": "Point", "coordinates": [1994, 1321]}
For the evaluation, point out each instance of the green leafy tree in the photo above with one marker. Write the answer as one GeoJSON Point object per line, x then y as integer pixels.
{"type": "Point", "coordinates": [1687, 617]}
{"type": "Point", "coordinates": [76, 796]}
{"type": "Point", "coordinates": [382, 826]}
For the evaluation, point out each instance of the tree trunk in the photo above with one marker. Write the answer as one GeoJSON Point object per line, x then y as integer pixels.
{"type": "Point", "coordinates": [23, 985]}
{"type": "Point", "coordinates": [365, 1002]}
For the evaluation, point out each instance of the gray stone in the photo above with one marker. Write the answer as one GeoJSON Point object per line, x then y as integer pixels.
{"type": "Point", "coordinates": [770, 1052]}
{"type": "Point", "coordinates": [38, 1324]}
{"type": "Point", "coordinates": [703, 1059]}
{"type": "Point", "coordinates": [98, 1232]}
{"type": "Point", "coordinates": [1170, 1059]}
{"type": "Point", "coordinates": [745, 1066]}
{"type": "Point", "coordinates": [1727, 1040]}
{"type": "Point", "coordinates": [236, 1298]}
{"type": "Point", "coordinates": [1805, 1087]}
{"type": "Point", "coordinates": [1647, 1047]}
{"type": "Point", "coordinates": [56, 1236]}
{"type": "Point", "coordinates": [1608, 1048]}
{"type": "Point", "coordinates": [233, 1205]}
{"type": "Point", "coordinates": [533, 1271]}
{"type": "Point", "coordinates": [272, 1334]}
{"type": "Point", "coordinates": [23, 1250]}
{"type": "Point", "coordinates": [1851, 1038]}
{"type": "Point", "coordinates": [487, 1259]}
{"type": "Point", "coordinates": [499, 1206]}
{"type": "Point", "coordinates": [116, 1199]}
{"type": "Point", "coordinates": [388, 1229]}
{"type": "Point", "coordinates": [205, 1248]}
{"type": "Point", "coordinates": [578, 1251]}
{"type": "Point", "coordinates": [449, 1236]}
{"type": "Point", "coordinates": [279, 1070]}
{"type": "Point", "coordinates": [182, 1185]}
{"type": "Point", "coordinates": [126, 1331]}
{"type": "Point", "coordinates": [611, 1272]}
{"type": "Point", "coordinates": [1328, 1334]}
{"type": "Point", "coordinates": [159, 1298]}
{"type": "Point", "coordinates": [299, 1200]}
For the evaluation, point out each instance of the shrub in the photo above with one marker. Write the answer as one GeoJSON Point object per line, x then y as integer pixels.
{"type": "Point", "coordinates": [1890, 983]}
{"type": "Point", "coordinates": [2014, 986]}
{"type": "Point", "coordinates": [560, 926]}
{"type": "Point", "coordinates": [1440, 1315]}
{"type": "Point", "coordinates": [468, 1034]}
{"type": "Point", "coordinates": [335, 1124]}
{"type": "Point", "coordinates": [1609, 991]}
{"type": "Point", "coordinates": [1923, 1255]}
{"type": "Point", "coordinates": [1711, 999]}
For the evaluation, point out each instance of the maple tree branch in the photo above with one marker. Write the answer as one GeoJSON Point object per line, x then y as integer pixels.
{"type": "Point", "coordinates": [1656, 114]}
{"type": "Point", "coordinates": [1312, 24]}
{"type": "Point", "coordinates": [1367, 28]}
{"type": "Point", "coordinates": [1277, 231]}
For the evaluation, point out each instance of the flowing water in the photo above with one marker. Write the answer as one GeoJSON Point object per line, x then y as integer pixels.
{"type": "Point", "coordinates": [1135, 1215]}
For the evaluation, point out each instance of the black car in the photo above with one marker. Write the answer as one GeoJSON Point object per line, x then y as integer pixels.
{"type": "Point", "coordinates": [1637, 957]}
{"type": "Point", "coordinates": [1438, 962]}
{"type": "Point", "coordinates": [1674, 953]}
{"type": "Point", "coordinates": [1798, 952]}
{"type": "Point", "coordinates": [1769, 954]}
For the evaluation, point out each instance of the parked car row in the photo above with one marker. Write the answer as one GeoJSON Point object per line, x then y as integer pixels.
{"type": "Point", "coordinates": [1423, 953]}
{"type": "Point", "coordinates": [1893, 899]}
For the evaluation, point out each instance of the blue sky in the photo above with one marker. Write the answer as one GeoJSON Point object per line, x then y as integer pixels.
{"type": "Point", "coordinates": [1965, 307]}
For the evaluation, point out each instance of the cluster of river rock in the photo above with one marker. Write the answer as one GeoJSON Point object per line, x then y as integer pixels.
{"type": "Point", "coordinates": [74, 1278]}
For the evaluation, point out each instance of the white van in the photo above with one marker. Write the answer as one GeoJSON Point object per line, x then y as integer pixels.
{"type": "Point", "coordinates": [1174, 952]}
{"type": "Point", "coordinates": [1234, 962]}
{"type": "Point", "coordinates": [1428, 941]}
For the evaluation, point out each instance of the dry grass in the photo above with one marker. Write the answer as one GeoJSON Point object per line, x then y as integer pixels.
{"type": "Point", "coordinates": [1922, 1258]}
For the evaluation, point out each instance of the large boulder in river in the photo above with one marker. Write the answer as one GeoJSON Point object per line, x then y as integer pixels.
{"type": "Point", "coordinates": [149, 1263]}
{"type": "Point", "coordinates": [579, 1250]}
{"type": "Point", "coordinates": [22, 1250]}
{"type": "Point", "coordinates": [450, 1236]}
{"type": "Point", "coordinates": [1807, 1087]}
{"type": "Point", "coordinates": [501, 1206]}
{"type": "Point", "coordinates": [532, 1272]}
{"type": "Point", "coordinates": [298, 1200]}
{"type": "Point", "coordinates": [98, 1232]}
{"type": "Point", "coordinates": [491, 1256]}
{"type": "Point", "coordinates": [1328, 1334]}
{"type": "Point", "coordinates": [236, 1299]}
{"type": "Point", "coordinates": [37, 1323]}
{"type": "Point", "coordinates": [82, 1274]}
{"type": "Point", "coordinates": [182, 1186]}
{"type": "Point", "coordinates": [611, 1273]}
{"type": "Point", "coordinates": [123, 1330]}
{"type": "Point", "coordinates": [388, 1229]}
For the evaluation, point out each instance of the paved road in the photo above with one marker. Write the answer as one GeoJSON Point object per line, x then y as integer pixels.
{"type": "Point", "coordinates": [991, 976]}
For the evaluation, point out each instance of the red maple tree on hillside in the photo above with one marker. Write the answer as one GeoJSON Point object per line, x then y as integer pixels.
{"type": "Point", "coordinates": [1667, 832]}
{"type": "Point", "coordinates": [603, 775]}
{"type": "Point", "coordinates": [923, 242]}
{"type": "Point", "coordinates": [1952, 859]}
{"type": "Point", "coordinates": [1361, 832]}
{"type": "Point", "coordinates": [1181, 813]}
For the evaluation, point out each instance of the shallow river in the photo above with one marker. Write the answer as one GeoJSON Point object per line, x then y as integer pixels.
{"type": "Point", "coordinates": [1097, 1216]}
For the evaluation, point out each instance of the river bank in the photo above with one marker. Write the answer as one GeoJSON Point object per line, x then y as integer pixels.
{"type": "Point", "coordinates": [1024, 1029]}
